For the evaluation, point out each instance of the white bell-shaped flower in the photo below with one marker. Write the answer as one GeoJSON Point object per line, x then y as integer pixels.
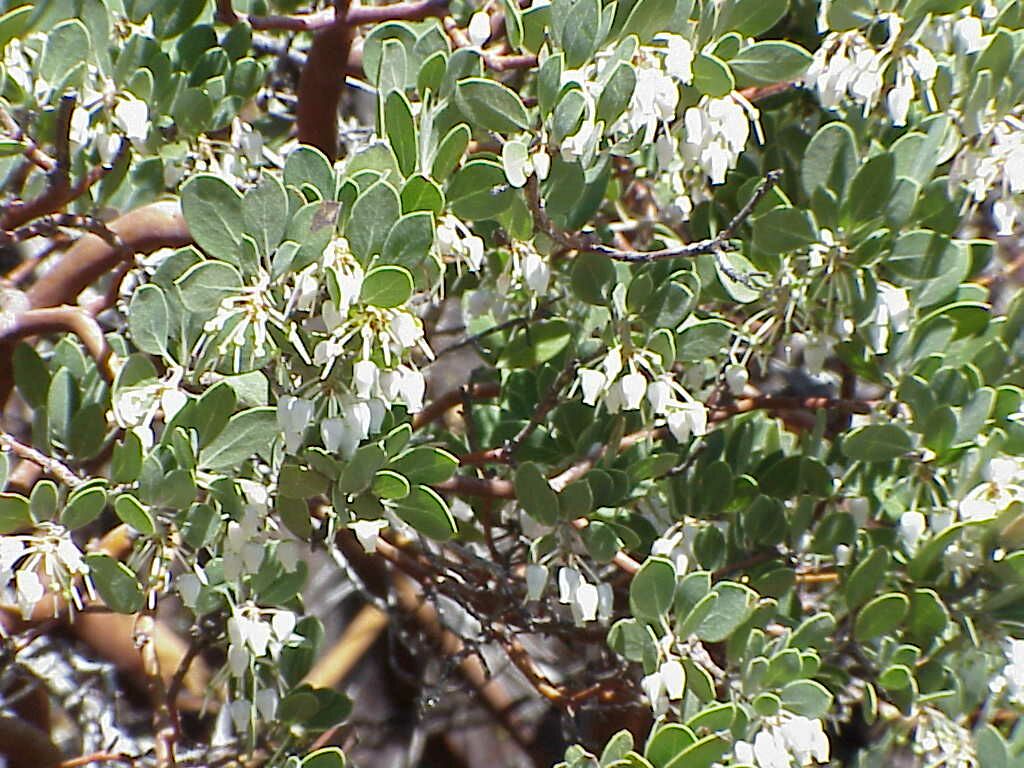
{"type": "Point", "coordinates": [584, 604]}
{"type": "Point", "coordinates": [536, 272]}
{"type": "Point", "coordinates": [293, 416]}
{"type": "Point", "coordinates": [673, 678]}
{"type": "Point", "coordinates": [679, 59]}
{"type": "Point", "coordinates": [736, 377]}
{"type": "Point", "coordinates": [536, 580]}
{"type": "Point", "coordinates": [968, 34]}
{"type": "Point", "coordinates": [479, 30]}
{"type": "Point", "coordinates": [516, 161]}
{"type": "Point", "coordinates": [634, 387]}
{"type": "Point", "coordinates": [659, 395]}
{"type": "Point", "coordinates": [132, 116]}
{"type": "Point", "coordinates": [591, 383]}
{"type": "Point", "coordinates": [569, 580]}
{"type": "Point", "coordinates": [364, 377]}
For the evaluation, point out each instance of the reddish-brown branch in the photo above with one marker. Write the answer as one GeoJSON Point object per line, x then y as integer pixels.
{"type": "Point", "coordinates": [98, 757]}
{"type": "Point", "coordinates": [437, 408]}
{"type": "Point", "coordinates": [37, 322]}
{"type": "Point", "coordinates": [321, 82]}
{"type": "Point", "coordinates": [51, 466]}
{"type": "Point", "coordinates": [497, 62]}
{"type": "Point", "coordinates": [146, 229]}
{"type": "Point", "coordinates": [143, 230]}
{"type": "Point", "coordinates": [32, 151]}
{"type": "Point", "coordinates": [109, 298]}
{"type": "Point", "coordinates": [57, 192]}
{"type": "Point", "coordinates": [778, 403]}
{"type": "Point", "coordinates": [478, 486]}
{"type": "Point", "coordinates": [417, 10]}
{"type": "Point", "coordinates": [758, 92]}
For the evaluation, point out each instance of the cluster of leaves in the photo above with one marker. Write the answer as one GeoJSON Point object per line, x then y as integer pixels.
{"type": "Point", "coordinates": [764, 432]}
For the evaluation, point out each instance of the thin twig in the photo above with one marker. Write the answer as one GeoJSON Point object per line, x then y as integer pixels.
{"type": "Point", "coordinates": [50, 465]}
{"type": "Point", "coordinates": [76, 320]}
{"type": "Point", "coordinates": [99, 757]}
{"type": "Point", "coordinates": [318, 20]}
{"type": "Point", "coordinates": [496, 62]}
{"type": "Point", "coordinates": [506, 453]}
{"type": "Point", "coordinates": [586, 242]}
{"type": "Point", "coordinates": [437, 408]}
{"type": "Point", "coordinates": [62, 141]}
{"type": "Point", "coordinates": [780, 403]}
{"type": "Point", "coordinates": [476, 338]}
{"type": "Point", "coordinates": [164, 727]}
{"type": "Point", "coordinates": [47, 225]}
{"type": "Point", "coordinates": [32, 151]}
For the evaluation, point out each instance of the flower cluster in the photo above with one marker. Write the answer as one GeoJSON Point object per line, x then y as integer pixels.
{"type": "Point", "coordinates": [655, 99]}
{"type": "Point", "coordinates": [242, 321]}
{"type": "Point", "coordinates": [588, 602]}
{"type": "Point", "coordinates": [995, 161]}
{"type": "Point", "coordinates": [454, 239]}
{"type": "Point", "coordinates": [367, 343]}
{"type": "Point", "coordinates": [847, 65]}
{"type": "Point", "coordinates": [47, 560]}
{"type": "Point", "coordinates": [786, 740]}
{"type": "Point", "coordinates": [716, 132]}
{"type": "Point", "coordinates": [527, 269]}
{"type": "Point", "coordinates": [623, 385]}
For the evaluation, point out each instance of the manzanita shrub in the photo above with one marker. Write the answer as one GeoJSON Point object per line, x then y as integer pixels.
{"type": "Point", "coordinates": [657, 362]}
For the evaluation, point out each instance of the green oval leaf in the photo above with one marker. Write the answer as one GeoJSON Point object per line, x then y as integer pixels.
{"type": "Point", "coordinates": [14, 513]}
{"type": "Point", "coordinates": [880, 616]}
{"type": "Point", "coordinates": [536, 344]}
{"type": "Point", "coordinates": [386, 286]}
{"type": "Point", "coordinates": [652, 589]}
{"type": "Point", "coordinates": [427, 512]}
{"type": "Point", "coordinates": [247, 433]}
{"type": "Point", "coordinates": [213, 211]}
{"type": "Point", "coordinates": [83, 507]}
{"type": "Point", "coordinates": [877, 442]}
{"type": "Point", "coordinates": [131, 512]}
{"type": "Point", "coordinates": [117, 584]}
{"type": "Point", "coordinates": [489, 105]}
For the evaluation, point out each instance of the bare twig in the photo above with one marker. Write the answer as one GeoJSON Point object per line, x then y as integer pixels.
{"type": "Point", "coordinates": [32, 151]}
{"type": "Point", "coordinates": [98, 757]}
{"type": "Point", "coordinates": [50, 465]}
{"type": "Point", "coordinates": [588, 242]}
{"type": "Point", "coordinates": [497, 62]}
{"type": "Point", "coordinates": [76, 320]}
{"type": "Point", "coordinates": [62, 140]}
{"type": "Point", "coordinates": [143, 230]}
{"type": "Point", "coordinates": [779, 403]}
{"type": "Point", "coordinates": [46, 225]}
{"type": "Point", "coordinates": [436, 409]}
{"type": "Point", "coordinates": [164, 728]}
{"type": "Point", "coordinates": [336, 665]}
{"type": "Point", "coordinates": [476, 338]}
{"type": "Point", "coordinates": [417, 10]}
